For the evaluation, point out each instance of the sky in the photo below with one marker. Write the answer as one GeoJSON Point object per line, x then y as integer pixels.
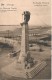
{"type": "Point", "coordinates": [40, 15]}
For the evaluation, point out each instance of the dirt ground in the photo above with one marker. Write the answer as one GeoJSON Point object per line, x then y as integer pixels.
{"type": "Point", "coordinates": [45, 55]}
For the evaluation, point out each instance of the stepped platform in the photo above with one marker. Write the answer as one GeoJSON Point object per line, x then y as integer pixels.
{"type": "Point", "coordinates": [12, 70]}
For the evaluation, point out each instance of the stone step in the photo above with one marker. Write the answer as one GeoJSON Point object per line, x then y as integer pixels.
{"type": "Point", "coordinates": [37, 69]}
{"type": "Point", "coordinates": [40, 67]}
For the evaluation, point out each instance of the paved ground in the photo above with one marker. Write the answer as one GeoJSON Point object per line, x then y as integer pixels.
{"type": "Point", "coordinates": [44, 55]}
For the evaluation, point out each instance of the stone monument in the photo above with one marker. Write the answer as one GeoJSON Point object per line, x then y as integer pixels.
{"type": "Point", "coordinates": [25, 57]}
{"type": "Point", "coordinates": [25, 66]}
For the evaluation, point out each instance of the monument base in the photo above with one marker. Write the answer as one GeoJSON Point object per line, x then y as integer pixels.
{"type": "Point", "coordinates": [13, 70]}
